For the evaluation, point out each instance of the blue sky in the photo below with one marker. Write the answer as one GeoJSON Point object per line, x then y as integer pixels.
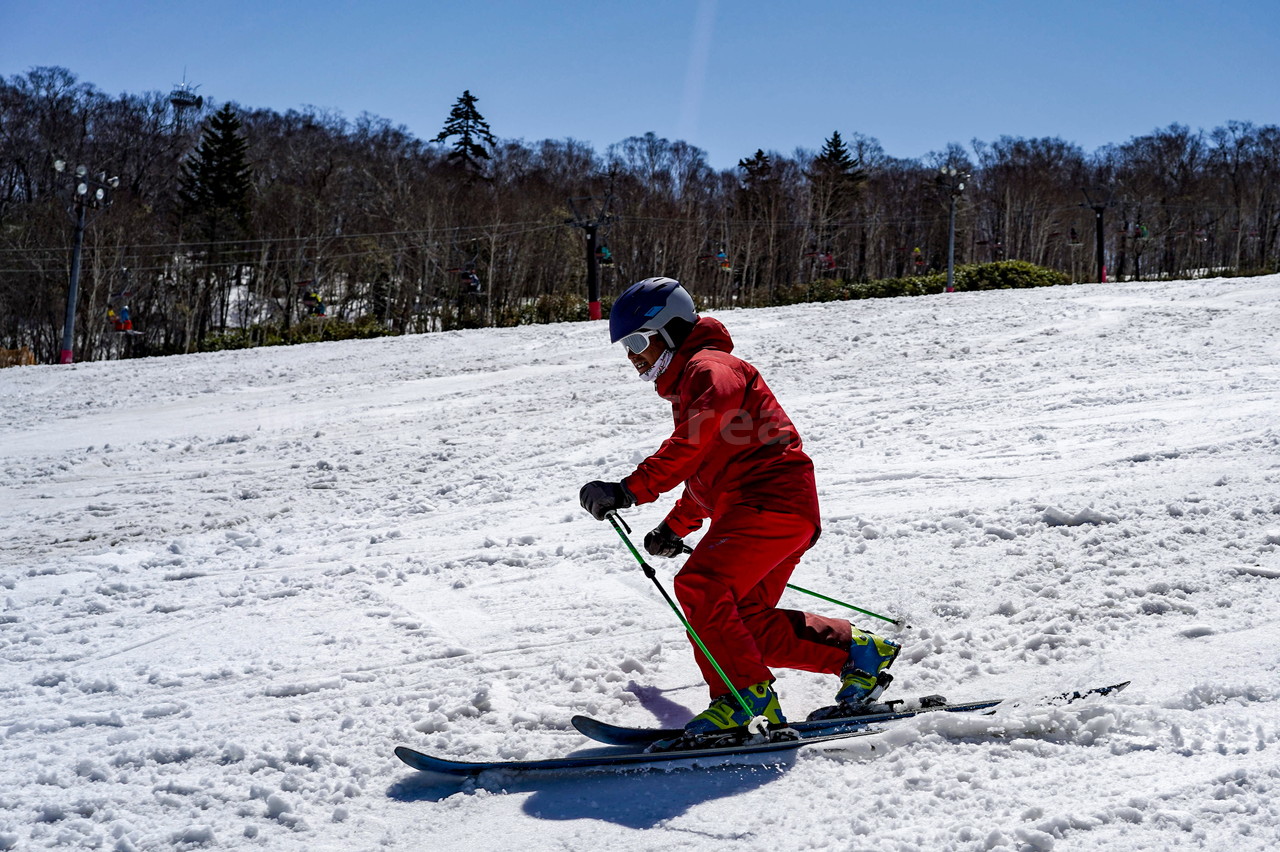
{"type": "Point", "coordinates": [729, 77]}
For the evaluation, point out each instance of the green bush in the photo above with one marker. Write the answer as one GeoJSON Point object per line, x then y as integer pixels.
{"type": "Point", "coordinates": [1250, 272]}
{"type": "Point", "coordinates": [571, 307]}
{"type": "Point", "coordinates": [307, 331]}
{"type": "Point", "coordinates": [1002, 275]}
{"type": "Point", "coordinates": [559, 307]}
{"type": "Point", "coordinates": [1007, 275]}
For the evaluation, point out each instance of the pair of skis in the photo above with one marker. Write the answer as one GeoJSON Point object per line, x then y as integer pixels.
{"type": "Point", "coordinates": [636, 740]}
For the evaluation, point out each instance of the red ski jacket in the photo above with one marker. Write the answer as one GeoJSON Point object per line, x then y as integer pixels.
{"type": "Point", "coordinates": [733, 445]}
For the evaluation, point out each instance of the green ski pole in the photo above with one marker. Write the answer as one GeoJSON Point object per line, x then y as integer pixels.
{"type": "Point", "coordinates": [757, 723]}
{"type": "Point", "coordinates": [895, 621]}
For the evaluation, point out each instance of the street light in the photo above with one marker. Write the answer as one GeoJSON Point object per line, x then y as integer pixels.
{"type": "Point", "coordinates": [87, 193]}
{"type": "Point", "coordinates": [952, 180]}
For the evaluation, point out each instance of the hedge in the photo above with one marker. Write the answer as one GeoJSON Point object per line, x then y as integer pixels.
{"type": "Point", "coordinates": [1001, 275]}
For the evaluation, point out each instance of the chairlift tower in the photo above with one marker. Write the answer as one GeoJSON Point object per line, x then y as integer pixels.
{"type": "Point", "coordinates": [1098, 199]}
{"type": "Point", "coordinates": [589, 215]}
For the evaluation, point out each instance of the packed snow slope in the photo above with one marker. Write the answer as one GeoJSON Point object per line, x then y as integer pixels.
{"type": "Point", "coordinates": [232, 583]}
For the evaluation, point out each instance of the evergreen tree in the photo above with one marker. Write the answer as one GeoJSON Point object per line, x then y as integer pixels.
{"type": "Point", "coordinates": [214, 188]}
{"type": "Point", "coordinates": [216, 181]}
{"type": "Point", "coordinates": [835, 160]}
{"type": "Point", "coordinates": [758, 185]}
{"type": "Point", "coordinates": [836, 177]}
{"type": "Point", "coordinates": [759, 170]}
{"type": "Point", "coordinates": [466, 123]}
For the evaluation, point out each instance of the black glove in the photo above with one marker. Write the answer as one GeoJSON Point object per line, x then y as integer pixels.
{"type": "Point", "coordinates": [601, 498]}
{"type": "Point", "coordinates": [661, 541]}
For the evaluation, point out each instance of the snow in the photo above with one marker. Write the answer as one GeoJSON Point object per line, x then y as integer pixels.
{"type": "Point", "coordinates": [232, 583]}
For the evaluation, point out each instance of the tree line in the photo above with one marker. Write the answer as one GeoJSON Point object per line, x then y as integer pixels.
{"type": "Point", "coordinates": [232, 226]}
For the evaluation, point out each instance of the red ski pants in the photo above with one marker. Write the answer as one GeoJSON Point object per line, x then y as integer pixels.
{"type": "Point", "coordinates": [730, 588]}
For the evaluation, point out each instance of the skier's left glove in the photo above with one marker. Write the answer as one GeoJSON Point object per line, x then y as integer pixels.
{"type": "Point", "coordinates": [661, 541]}
{"type": "Point", "coordinates": [601, 498]}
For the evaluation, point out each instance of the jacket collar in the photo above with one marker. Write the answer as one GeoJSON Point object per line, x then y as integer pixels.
{"type": "Point", "coordinates": [707, 333]}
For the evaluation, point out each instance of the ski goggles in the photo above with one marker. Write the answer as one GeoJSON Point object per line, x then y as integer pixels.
{"type": "Point", "coordinates": [638, 341]}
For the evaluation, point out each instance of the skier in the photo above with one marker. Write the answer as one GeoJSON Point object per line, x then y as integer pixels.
{"type": "Point", "coordinates": [313, 303]}
{"type": "Point", "coordinates": [120, 321]}
{"type": "Point", "coordinates": [742, 464]}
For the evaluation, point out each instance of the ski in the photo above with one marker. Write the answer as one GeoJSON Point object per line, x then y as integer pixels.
{"type": "Point", "coordinates": [625, 736]}
{"type": "Point", "coordinates": [807, 733]}
{"type": "Point", "coordinates": [615, 760]}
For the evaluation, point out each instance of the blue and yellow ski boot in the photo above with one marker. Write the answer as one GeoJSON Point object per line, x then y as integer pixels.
{"type": "Point", "coordinates": [863, 678]}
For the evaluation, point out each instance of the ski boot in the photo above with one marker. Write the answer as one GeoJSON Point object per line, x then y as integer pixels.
{"type": "Point", "coordinates": [725, 723]}
{"type": "Point", "coordinates": [864, 677]}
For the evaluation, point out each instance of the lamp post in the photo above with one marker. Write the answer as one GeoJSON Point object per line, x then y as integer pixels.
{"type": "Point", "coordinates": [952, 180]}
{"type": "Point", "coordinates": [87, 192]}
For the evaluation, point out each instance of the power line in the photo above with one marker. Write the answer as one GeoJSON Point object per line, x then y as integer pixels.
{"type": "Point", "coordinates": [478, 230]}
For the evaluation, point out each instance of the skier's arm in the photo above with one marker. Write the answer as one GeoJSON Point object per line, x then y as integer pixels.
{"type": "Point", "coordinates": [686, 515]}
{"type": "Point", "coordinates": [716, 392]}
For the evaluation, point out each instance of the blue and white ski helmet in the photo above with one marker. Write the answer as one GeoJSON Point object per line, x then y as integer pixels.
{"type": "Point", "coordinates": [649, 305]}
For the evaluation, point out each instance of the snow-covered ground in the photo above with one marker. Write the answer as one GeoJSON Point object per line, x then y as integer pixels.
{"type": "Point", "coordinates": [233, 582]}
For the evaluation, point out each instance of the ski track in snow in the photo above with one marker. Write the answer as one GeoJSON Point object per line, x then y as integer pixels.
{"type": "Point", "coordinates": [233, 582]}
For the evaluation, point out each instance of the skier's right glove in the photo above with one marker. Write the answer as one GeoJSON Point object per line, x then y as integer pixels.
{"type": "Point", "coordinates": [601, 498]}
{"type": "Point", "coordinates": [661, 541]}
